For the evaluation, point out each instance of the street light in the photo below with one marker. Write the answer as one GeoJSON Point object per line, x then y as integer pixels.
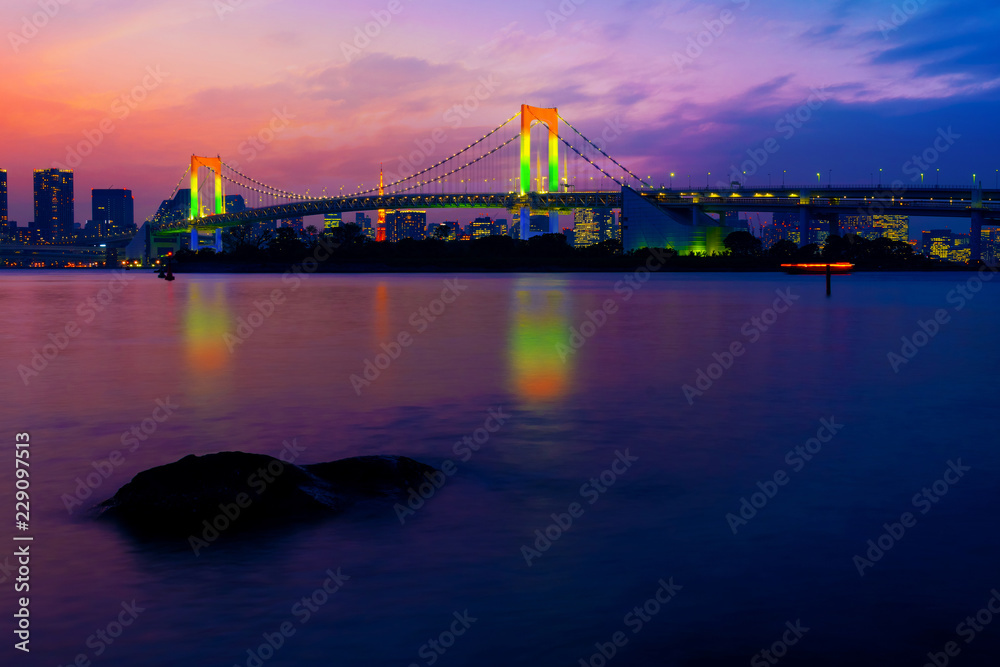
{"type": "Point", "coordinates": [937, 182]}
{"type": "Point", "coordinates": [880, 177]}
{"type": "Point", "coordinates": [671, 180]}
{"type": "Point", "coordinates": [819, 179]}
{"type": "Point", "coordinates": [783, 172]}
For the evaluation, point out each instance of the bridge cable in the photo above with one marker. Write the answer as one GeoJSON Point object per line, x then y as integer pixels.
{"type": "Point", "coordinates": [604, 154]}
{"type": "Point", "coordinates": [433, 166]}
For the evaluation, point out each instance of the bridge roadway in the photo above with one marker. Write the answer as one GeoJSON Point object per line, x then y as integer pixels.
{"type": "Point", "coordinates": [948, 202]}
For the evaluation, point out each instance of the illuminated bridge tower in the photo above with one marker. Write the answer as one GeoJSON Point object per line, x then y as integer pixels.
{"type": "Point", "coordinates": [550, 118]}
{"type": "Point", "coordinates": [215, 164]}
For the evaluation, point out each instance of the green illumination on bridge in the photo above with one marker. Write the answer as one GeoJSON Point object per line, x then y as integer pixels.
{"type": "Point", "coordinates": [549, 117]}
{"type": "Point", "coordinates": [215, 164]}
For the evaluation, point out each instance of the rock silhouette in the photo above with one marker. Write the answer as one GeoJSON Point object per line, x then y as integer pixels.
{"type": "Point", "coordinates": [251, 490]}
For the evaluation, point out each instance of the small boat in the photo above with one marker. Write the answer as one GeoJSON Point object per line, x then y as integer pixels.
{"type": "Point", "coordinates": [170, 274]}
{"type": "Point", "coordinates": [818, 269]}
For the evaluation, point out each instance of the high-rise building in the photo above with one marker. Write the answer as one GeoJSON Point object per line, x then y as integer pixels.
{"type": "Point", "coordinates": [585, 228]}
{"type": "Point", "coordinates": [405, 225]}
{"type": "Point", "coordinates": [482, 227]}
{"type": "Point", "coordinates": [3, 199]}
{"type": "Point", "coordinates": [893, 227]}
{"type": "Point", "coordinates": [54, 204]}
{"type": "Point", "coordinates": [538, 224]}
{"type": "Point", "coordinates": [946, 245]}
{"type": "Point", "coordinates": [365, 223]}
{"type": "Point", "coordinates": [785, 227]}
{"type": "Point", "coordinates": [235, 203]}
{"type": "Point", "coordinates": [113, 210]}
{"type": "Point", "coordinates": [332, 220]}
{"type": "Point", "coordinates": [608, 225]}
{"type": "Point", "coordinates": [990, 245]}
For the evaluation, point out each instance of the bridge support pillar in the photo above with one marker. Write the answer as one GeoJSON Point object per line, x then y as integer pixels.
{"type": "Point", "coordinates": [804, 226]}
{"type": "Point", "coordinates": [218, 240]}
{"type": "Point", "coordinates": [554, 223]}
{"type": "Point", "coordinates": [194, 239]}
{"type": "Point", "coordinates": [834, 224]}
{"type": "Point", "coordinates": [976, 236]}
{"type": "Point", "coordinates": [525, 222]}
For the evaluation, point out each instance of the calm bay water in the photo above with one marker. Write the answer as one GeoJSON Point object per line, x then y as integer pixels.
{"type": "Point", "coordinates": [567, 420]}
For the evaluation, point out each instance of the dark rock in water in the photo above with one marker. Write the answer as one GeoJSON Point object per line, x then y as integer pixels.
{"type": "Point", "coordinates": [253, 489]}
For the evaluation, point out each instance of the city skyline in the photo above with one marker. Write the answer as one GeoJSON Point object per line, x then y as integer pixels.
{"type": "Point", "coordinates": [672, 93]}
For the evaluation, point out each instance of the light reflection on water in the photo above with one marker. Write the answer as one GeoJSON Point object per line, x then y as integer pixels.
{"type": "Point", "coordinates": [495, 347]}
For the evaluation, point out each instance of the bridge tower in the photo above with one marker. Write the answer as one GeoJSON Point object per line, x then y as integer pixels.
{"type": "Point", "coordinates": [550, 118]}
{"type": "Point", "coordinates": [215, 164]}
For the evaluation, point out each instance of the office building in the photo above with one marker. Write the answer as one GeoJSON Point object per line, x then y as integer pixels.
{"type": "Point", "coordinates": [332, 221]}
{"type": "Point", "coordinates": [234, 203]}
{"type": "Point", "coordinates": [405, 225]}
{"type": "Point", "coordinates": [893, 227]}
{"type": "Point", "coordinates": [53, 190]}
{"type": "Point", "coordinates": [486, 226]}
{"type": "Point", "coordinates": [784, 227]}
{"type": "Point", "coordinates": [112, 211]}
{"type": "Point", "coordinates": [585, 228]}
{"type": "Point", "coordinates": [946, 245]}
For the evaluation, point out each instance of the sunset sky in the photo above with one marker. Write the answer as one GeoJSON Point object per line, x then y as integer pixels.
{"type": "Point", "coordinates": [173, 78]}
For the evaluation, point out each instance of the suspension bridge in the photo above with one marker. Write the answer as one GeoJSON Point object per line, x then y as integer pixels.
{"type": "Point", "coordinates": [496, 172]}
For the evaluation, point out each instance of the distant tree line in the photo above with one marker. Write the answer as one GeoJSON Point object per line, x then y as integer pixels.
{"type": "Point", "coordinates": [251, 247]}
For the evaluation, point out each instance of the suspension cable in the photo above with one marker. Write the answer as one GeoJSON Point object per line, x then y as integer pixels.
{"type": "Point", "coordinates": [620, 165]}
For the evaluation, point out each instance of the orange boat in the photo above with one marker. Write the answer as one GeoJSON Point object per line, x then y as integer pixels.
{"type": "Point", "coordinates": [838, 268]}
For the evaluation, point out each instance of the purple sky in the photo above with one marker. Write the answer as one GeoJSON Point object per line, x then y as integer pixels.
{"type": "Point", "coordinates": [142, 86]}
